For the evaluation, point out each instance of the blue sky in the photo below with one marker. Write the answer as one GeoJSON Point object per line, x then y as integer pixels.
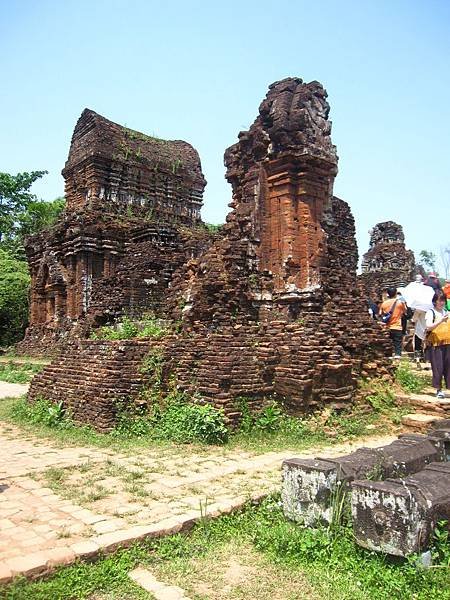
{"type": "Point", "coordinates": [198, 71]}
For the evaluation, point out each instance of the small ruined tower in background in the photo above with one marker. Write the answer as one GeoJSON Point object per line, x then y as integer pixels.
{"type": "Point", "coordinates": [387, 263]}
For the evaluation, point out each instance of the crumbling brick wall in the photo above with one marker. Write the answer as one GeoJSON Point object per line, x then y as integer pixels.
{"type": "Point", "coordinates": [270, 307]}
{"type": "Point", "coordinates": [92, 378]}
{"type": "Point", "coordinates": [132, 218]}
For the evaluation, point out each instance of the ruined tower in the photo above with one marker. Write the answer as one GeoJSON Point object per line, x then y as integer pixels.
{"type": "Point", "coordinates": [387, 263]}
{"type": "Point", "coordinates": [132, 210]}
{"type": "Point", "coordinates": [269, 308]}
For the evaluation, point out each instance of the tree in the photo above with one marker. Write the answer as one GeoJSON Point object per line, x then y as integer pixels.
{"type": "Point", "coordinates": [15, 198]}
{"type": "Point", "coordinates": [428, 260]}
{"type": "Point", "coordinates": [14, 285]}
{"type": "Point", "coordinates": [39, 215]}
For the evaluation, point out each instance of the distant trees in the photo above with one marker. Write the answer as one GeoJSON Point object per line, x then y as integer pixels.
{"type": "Point", "coordinates": [14, 284]}
{"type": "Point", "coordinates": [21, 214]}
{"type": "Point", "coordinates": [428, 260]}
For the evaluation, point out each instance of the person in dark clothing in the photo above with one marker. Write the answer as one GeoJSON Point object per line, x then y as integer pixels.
{"type": "Point", "coordinates": [397, 308]}
{"type": "Point", "coordinates": [433, 281]}
{"type": "Point", "coordinates": [373, 308]}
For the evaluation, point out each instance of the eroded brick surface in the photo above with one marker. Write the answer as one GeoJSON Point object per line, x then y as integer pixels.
{"type": "Point", "coordinates": [267, 308]}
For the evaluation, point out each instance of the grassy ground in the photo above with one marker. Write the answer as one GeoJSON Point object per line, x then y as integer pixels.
{"type": "Point", "coordinates": [287, 433]}
{"type": "Point", "coordinates": [23, 371]}
{"type": "Point", "coordinates": [376, 412]}
{"type": "Point", "coordinates": [255, 553]}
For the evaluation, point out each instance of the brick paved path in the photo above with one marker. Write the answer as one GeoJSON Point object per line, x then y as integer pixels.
{"type": "Point", "coordinates": [57, 504]}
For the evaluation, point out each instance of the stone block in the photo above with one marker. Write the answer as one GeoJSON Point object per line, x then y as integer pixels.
{"type": "Point", "coordinates": [397, 516]}
{"type": "Point", "coordinates": [309, 484]}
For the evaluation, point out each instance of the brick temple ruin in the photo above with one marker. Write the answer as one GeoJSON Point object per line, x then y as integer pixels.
{"type": "Point", "coordinates": [132, 209]}
{"type": "Point", "coordinates": [387, 263]}
{"type": "Point", "coordinates": [267, 308]}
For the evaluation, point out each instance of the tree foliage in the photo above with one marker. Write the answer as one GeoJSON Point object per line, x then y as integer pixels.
{"type": "Point", "coordinates": [15, 197]}
{"type": "Point", "coordinates": [14, 285]}
{"type": "Point", "coordinates": [21, 214]}
{"type": "Point", "coordinates": [428, 260]}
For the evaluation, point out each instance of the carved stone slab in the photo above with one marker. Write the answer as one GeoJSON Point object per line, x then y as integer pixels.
{"type": "Point", "coordinates": [308, 484]}
{"type": "Point", "coordinates": [398, 516]}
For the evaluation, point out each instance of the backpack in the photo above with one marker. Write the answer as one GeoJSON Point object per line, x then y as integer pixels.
{"type": "Point", "coordinates": [386, 317]}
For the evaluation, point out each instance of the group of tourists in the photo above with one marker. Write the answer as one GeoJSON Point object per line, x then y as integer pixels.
{"type": "Point", "coordinates": [431, 326]}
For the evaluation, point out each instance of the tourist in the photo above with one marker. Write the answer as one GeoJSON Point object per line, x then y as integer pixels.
{"type": "Point", "coordinates": [433, 281]}
{"type": "Point", "coordinates": [373, 308]}
{"type": "Point", "coordinates": [438, 342]}
{"type": "Point", "coordinates": [446, 290]}
{"type": "Point", "coordinates": [419, 333]}
{"type": "Point", "coordinates": [396, 308]}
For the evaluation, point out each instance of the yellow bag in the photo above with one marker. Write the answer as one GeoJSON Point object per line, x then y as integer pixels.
{"type": "Point", "coordinates": [440, 335]}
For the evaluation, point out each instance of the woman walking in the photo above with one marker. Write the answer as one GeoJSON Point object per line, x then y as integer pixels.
{"type": "Point", "coordinates": [438, 342]}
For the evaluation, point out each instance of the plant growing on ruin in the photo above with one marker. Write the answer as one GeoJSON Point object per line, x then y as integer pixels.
{"type": "Point", "coordinates": [176, 165]}
{"type": "Point", "coordinates": [127, 328]}
{"type": "Point", "coordinates": [184, 422]}
{"type": "Point", "coordinates": [270, 418]}
{"type": "Point", "coordinates": [408, 380]}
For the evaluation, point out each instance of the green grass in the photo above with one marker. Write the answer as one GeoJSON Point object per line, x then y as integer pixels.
{"type": "Point", "coordinates": [19, 372]}
{"type": "Point", "coordinates": [410, 381]}
{"type": "Point", "coordinates": [266, 432]}
{"type": "Point", "coordinates": [332, 564]}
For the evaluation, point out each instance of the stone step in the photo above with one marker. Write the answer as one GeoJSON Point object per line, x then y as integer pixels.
{"type": "Point", "coordinates": [420, 422]}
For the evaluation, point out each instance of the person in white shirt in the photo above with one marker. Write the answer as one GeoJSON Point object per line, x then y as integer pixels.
{"type": "Point", "coordinates": [419, 333]}
{"type": "Point", "coordinates": [439, 350]}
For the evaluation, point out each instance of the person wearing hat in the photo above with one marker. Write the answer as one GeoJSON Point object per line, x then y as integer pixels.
{"type": "Point", "coordinates": [433, 281]}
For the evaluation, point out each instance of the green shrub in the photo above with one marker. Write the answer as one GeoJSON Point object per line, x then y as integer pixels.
{"type": "Point", "coordinates": [43, 412]}
{"type": "Point", "coordinates": [408, 380]}
{"type": "Point", "coordinates": [185, 423]}
{"type": "Point", "coordinates": [127, 328]}
{"type": "Point", "coordinates": [270, 418]}
{"type": "Point", "coordinates": [132, 421]}
{"type": "Point", "coordinates": [14, 285]}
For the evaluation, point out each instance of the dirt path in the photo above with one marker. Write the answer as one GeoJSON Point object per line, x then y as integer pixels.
{"type": "Point", "coordinates": [57, 504]}
{"type": "Point", "coordinates": [12, 390]}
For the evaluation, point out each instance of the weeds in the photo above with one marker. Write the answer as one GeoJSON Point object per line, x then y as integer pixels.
{"type": "Point", "coordinates": [12, 372]}
{"type": "Point", "coordinates": [43, 412]}
{"type": "Point", "coordinates": [408, 380]}
{"type": "Point", "coordinates": [331, 565]}
{"type": "Point", "coordinates": [127, 328]}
